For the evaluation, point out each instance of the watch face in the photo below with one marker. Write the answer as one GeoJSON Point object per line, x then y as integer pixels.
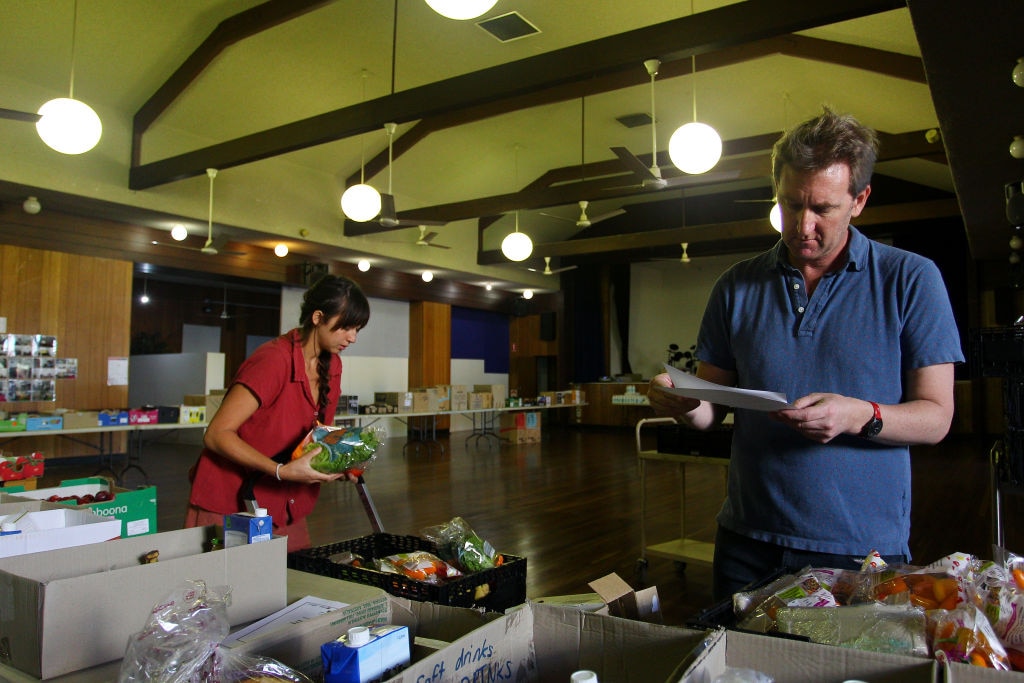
{"type": "Point", "coordinates": [872, 428]}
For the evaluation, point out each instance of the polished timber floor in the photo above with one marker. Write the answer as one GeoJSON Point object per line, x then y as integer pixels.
{"type": "Point", "coordinates": [571, 504]}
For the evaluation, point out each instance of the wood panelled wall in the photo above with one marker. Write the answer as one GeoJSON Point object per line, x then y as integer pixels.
{"type": "Point", "coordinates": [86, 303]}
{"type": "Point", "coordinates": [430, 347]}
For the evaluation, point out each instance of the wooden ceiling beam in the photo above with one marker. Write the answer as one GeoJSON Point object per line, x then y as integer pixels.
{"type": "Point", "coordinates": [722, 232]}
{"type": "Point", "coordinates": [228, 32]}
{"type": "Point", "coordinates": [716, 29]}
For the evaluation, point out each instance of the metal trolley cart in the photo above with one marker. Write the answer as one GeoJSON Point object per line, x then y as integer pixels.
{"type": "Point", "coordinates": [682, 549]}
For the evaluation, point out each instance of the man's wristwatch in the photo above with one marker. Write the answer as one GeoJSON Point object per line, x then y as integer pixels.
{"type": "Point", "coordinates": [874, 425]}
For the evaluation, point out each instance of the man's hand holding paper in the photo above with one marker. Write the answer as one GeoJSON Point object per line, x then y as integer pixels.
{"type": "Point", "coordinates": [688, 385]}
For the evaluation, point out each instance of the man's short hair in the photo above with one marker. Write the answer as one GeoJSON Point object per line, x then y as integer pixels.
{"type": "Point", "coordinates": [824, 140]}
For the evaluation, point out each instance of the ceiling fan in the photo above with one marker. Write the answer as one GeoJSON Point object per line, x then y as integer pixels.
{"type": "Point", "coordinates": [211, 247]}
{"type": "Point", "coordinates": [585, 221]}
{"type": "Point", "coordinates": [425, 239]}
{"type": "Point", "coordinates": [684, 257]}
{"type": "Point", "coordinates": [15, 115]}
{"type": "Point", "coordinates": [548, 270]}
{"type": "Point", "coordinates": [388, 217]}
{"type": "Point", "coordinates": [650, 178]}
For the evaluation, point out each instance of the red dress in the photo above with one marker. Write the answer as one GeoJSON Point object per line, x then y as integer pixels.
{"type": "Point", "coordinates": [275, 374]}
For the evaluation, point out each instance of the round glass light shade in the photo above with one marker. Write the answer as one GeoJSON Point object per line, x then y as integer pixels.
{"type": "Point", "coordinates": [360, 203]}
{"type": "Point", "coordinates": [527, 293]}
{"type": "Point", "coordinates": [695, 148]}
{"type": "Point", "coordinates": [31, 205]}
{"type": "Point", "coordinates": [461, 9]}
{"type": "Point", "coordinates": [775, 217]}
{"type": "Point", "coordinates": [517, 246]}
{"type": "Point", "coordinates": [179, 232]}
{"type": "Point", "coordinates": [69, 126]}
{"type": "Point", "coordinates": [1016, 242]}
{"type": "Point", "coordinates": [363, 265]}
{"type": "Point", "coordinates": [1017, 147]}
{"type": "Point", "coordinates": [1018, 73]}
{"type": "Point", "coordinates": [427, 276]}
{"type": "Point", "coordinates": [281, 250]}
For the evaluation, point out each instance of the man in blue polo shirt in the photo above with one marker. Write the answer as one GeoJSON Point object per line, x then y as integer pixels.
{"type": "Point", "coordinates": [860, 336]}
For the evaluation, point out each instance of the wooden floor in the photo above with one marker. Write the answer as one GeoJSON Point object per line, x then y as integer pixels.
{"type": "Point", "coordinates": [571, 504]}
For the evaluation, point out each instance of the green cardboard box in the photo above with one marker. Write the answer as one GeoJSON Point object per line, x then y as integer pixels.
{"type": "Point", "coordinates": [136, 508]}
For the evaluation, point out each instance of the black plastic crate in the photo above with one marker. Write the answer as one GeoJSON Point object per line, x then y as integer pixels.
{"type": "Point", "coordinates": [494, 589]}
{"type": "Point", "coordinates": [682, 440]}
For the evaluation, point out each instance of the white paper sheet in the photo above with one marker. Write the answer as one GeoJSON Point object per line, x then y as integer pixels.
{"type": "Point", "coordinates": [693, 387]}
{"type": "Point", "coordinates": [301, 610]}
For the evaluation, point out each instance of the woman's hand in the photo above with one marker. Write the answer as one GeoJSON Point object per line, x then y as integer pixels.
{"type": "Point", "coordinates": [301, 470]}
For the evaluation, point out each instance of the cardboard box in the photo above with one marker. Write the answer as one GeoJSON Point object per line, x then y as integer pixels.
{"type": "Point", "coordinates": [498, 392]}
{"type": "Point", "coordinates": [298, 644]}
{"type": "Point", "coordinates": [146, 415]}
{"type": "Point", "coordinates": [191, 415]}
{"type": "Point", "coordinates": [53, 527]}
{"type": "Point", "coordinates": [540, 642]}
{"type": "Point", "coordinates": [136, 508]}
{"type": "Point", "coordinates": [37, 423]}
{"type": "Point", "coordinates": [440, 397]}
{"type": "Point", "coordinates": [459, 397]}
{"type": "Point", "coordinates": [794, 661]}
{"type": "Point", "coordinates": [520, 427]}
{"type": "Point", "coordinates": [420, 402]}
{"type": "Point", "coordinates": [168, 414]}
{"type": "Point", "coordinates": [402, 400]}
{"type": "Point", "coordinates": [211, 401]}
{"type": "Point", "coordinates": [480, 401]}
{"type": "Point", "coordinates": [620, 600]}
{"type": "Point", "coordinates": [966, 673]}
{"type": "Point", "coordinates": [75, 608]}
{"type": "Point", "coordinates": [81, 419]}
{"type": "Point", "coordinates": [111, 418]}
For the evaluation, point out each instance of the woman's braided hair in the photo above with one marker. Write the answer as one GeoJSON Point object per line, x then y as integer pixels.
{"type": "Point", "coordinates": [340, 299]}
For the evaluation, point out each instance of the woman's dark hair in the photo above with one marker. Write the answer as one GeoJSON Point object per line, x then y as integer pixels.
{"type": "Point", "coordinates": [827, 139]}
{"type": "Point", "coordinates": [334, 296]}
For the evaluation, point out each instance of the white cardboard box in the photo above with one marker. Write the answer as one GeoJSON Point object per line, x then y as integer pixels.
{"type": "Point", "coordinates": [44, 528]}
{"type": "Point", "coordinates": [540, 642]}
{"type": "Point", "coordinates": [65, 610]}
{"type": "Point", "coordinates": [298, 646]}
{"type": "Point", "coordinates": [965, 673]}
{"type": "Point", "coordinates": [794, 661]}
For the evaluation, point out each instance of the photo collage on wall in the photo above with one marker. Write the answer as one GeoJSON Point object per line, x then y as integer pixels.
{"type": "Point", "coordinates": [29, 367]}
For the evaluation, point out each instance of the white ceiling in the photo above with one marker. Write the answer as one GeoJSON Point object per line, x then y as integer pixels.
{"type": "Point", "coordinates": [348, 52]}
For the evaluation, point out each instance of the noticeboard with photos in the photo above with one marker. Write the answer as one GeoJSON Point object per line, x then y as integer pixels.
{"type": "Point", "coordinates": [30, 368]}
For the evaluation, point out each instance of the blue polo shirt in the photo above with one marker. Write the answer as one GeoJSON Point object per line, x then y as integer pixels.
{"type": "Point", "coordinates": [885, 312]}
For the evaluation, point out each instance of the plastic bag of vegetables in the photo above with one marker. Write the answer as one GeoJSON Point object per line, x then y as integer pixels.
{"type": "Point", "coordinates": [340, 449]}
{"type": "Point", "coordinates": [457, 543]}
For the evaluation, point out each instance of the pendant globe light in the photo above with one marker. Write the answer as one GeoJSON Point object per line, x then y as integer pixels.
{"type": "Point", "coordinates": [461, 9]}
{"type": "Point", "coordinates": [696, 147]}
{"type": "Point", "coordinates": [67, 125]}
{"type": "Point", "coordinates": [517, 246]}
{"type": "Point", "coordinates": [361, 202]}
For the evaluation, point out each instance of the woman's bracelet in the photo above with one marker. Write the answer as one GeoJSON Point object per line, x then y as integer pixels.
{"type": "Point", "coordinates": [277, 473]}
